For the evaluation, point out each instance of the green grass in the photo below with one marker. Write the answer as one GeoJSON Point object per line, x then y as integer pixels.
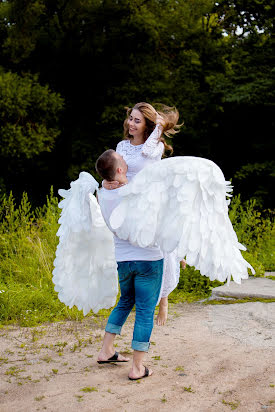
{"type": "Point", "coordinates": [233, 300]}
{"type": "Point", "coordinates": [188, 389]}
{"type": "Point", "coordinates": [179, 368]}
{"type": "Point", "coordinates": [89, 389]}
{"type": "Point", "coordinates": [27, 250]}
{"type": "Point", "coordinates": [233, 405]}
{"type": "Point", "coordinates": [256, 230]}
{"type": "Point", "coordinates": [39, 398]}
{"type": "Point", "coordinates": [163, 399]}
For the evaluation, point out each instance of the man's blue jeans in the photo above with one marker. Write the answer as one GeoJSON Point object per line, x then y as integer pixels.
{"type": "Point", "coordinates": [140, 283]}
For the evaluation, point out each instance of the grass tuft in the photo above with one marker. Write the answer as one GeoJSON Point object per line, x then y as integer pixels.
{"type": "Point", "coordinates": [89, 389]}
{"type": "Point", "coordinates": [179, 368]}
{"type": "Point", "coordinates": [188, 389]}
{"type": "Point", "coordinates": [236, 300]}
{"type": "Point", "coordinates": [233, 405]}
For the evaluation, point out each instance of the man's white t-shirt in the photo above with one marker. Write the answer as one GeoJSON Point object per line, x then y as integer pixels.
{"type": "Point", "coordinates": [124, 251]}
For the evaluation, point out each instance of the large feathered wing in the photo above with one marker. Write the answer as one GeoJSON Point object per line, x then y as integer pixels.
{"type": "Point", "coordinates": [85, 273]}
{"type": "Point", "coordinates": [181, 204]}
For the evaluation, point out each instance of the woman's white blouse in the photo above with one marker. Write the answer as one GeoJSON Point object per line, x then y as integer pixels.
{"type": "Point", "coordinates": [137, 157]}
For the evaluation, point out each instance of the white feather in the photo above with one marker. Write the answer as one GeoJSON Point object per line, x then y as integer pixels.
{"type": "Point", "coordinates": [85, 273]}
{"type": "Point", "coordinates": [187, 196]}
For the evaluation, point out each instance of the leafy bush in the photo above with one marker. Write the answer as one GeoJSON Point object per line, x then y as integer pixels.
{"type": "Point", "coordinates": [29, 114]}
{"type": "Point", "coordinates": [27, 245]}
{"type": "Point", "coordinates": [255, 230]}
{"type": "Point", "coordinates": [192, 286]}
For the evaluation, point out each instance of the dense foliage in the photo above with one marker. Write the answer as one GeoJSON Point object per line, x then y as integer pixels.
{"type": "Point", "coordinates": [28, 242]}
{"type": "Point", "coordinates": [214, 60]}
{"type": "Point", "coordinates": [29, 115]}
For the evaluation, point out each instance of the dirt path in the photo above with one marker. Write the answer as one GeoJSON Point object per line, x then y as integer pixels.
{"type": "Point", "coordinates": [206, 359]}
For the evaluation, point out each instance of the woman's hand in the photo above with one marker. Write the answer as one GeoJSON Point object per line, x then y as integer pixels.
{"type": "Point", "coordinates": [160, 120]}
{"type": "Point", "coordinates": [114, 184]}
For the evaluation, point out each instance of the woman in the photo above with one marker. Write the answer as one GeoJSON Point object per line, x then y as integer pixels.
{"type": "Point", "coordinates": [143, 144]}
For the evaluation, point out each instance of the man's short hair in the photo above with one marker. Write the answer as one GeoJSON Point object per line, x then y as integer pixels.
{"type": "Point", "coordinates": [106, 165]}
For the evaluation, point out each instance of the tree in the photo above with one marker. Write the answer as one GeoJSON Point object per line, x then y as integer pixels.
{"type": "Point", "coordinates": [212, 60]}
{"type": "Point", "coordinates": [29, 114]}
{"type": "Point", "coordinates": [29, 126]}
{"type": "Point", "coordinates": [248, 94]}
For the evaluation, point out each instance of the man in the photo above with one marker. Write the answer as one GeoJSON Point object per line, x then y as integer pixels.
{"type": "Point", "coordinates": [140, 275]}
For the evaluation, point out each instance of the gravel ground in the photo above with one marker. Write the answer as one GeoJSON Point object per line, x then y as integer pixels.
{"type": "Point", "coordinates": [205, 359]}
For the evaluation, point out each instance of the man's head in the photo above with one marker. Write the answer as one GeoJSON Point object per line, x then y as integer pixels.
{"type": "Point", "coordinates": [111, 166]}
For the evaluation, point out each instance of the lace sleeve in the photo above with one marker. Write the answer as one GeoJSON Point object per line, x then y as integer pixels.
{"type": "Point", "coordinates": [153, 148]}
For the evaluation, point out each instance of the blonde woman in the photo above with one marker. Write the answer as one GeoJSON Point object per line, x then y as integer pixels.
{"type": "Point", "coordinates": [144, 143]}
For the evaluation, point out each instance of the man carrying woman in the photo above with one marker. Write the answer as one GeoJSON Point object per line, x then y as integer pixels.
{"type": "Point", "coordinates": [140, 277]}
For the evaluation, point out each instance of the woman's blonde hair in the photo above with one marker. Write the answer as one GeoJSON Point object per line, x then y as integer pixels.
{"type": "Point", "coordinates": [170, 116]}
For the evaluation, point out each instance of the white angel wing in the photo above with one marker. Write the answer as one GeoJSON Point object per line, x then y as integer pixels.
{"type": "Point", "coordinates": [85, 271]}
{"type": "Point", "coordinates": [180, 204]}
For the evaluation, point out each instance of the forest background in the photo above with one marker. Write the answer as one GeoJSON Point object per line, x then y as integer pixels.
{"type": "Point", "coordinates": [68, 69]}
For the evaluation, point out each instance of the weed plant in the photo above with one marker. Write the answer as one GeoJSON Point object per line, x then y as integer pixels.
{"type": "Point", "coordinates": [27, 245]}
{"type": "Point", "coordinates": [255, 230]}
{"type": "Point", "coordinates": [27, 248]}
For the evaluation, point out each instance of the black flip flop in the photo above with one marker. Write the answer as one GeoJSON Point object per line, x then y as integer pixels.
{"type": "Point", "coordinates": [114, 358]}
{"type": "Point", "coordinates": [146, 374]}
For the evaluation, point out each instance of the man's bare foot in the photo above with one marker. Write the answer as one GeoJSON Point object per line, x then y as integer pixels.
{"type": "Point", "coordinates": [163, 312]}
{"type": "Point", "coordinates": [139, 373]}
{"type": "Point", "coordinates": [183, 264]}
{"type": "Point", "coordinates": [104, 356]}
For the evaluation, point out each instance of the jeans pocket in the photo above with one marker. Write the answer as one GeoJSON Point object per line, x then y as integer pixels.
{"type": "Point", "coordinates": [150, 268]}
{"type": "Point", "coordinates": [123, 269]}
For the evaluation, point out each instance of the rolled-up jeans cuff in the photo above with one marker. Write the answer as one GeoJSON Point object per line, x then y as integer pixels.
{"type": "Point", "coordinates": [140, 346]}
{"type": "Point", "coordinates": [111, 328]}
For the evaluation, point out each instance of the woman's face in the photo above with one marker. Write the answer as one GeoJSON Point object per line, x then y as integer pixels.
{"type": "Point", "coordinates": [136, 123]}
